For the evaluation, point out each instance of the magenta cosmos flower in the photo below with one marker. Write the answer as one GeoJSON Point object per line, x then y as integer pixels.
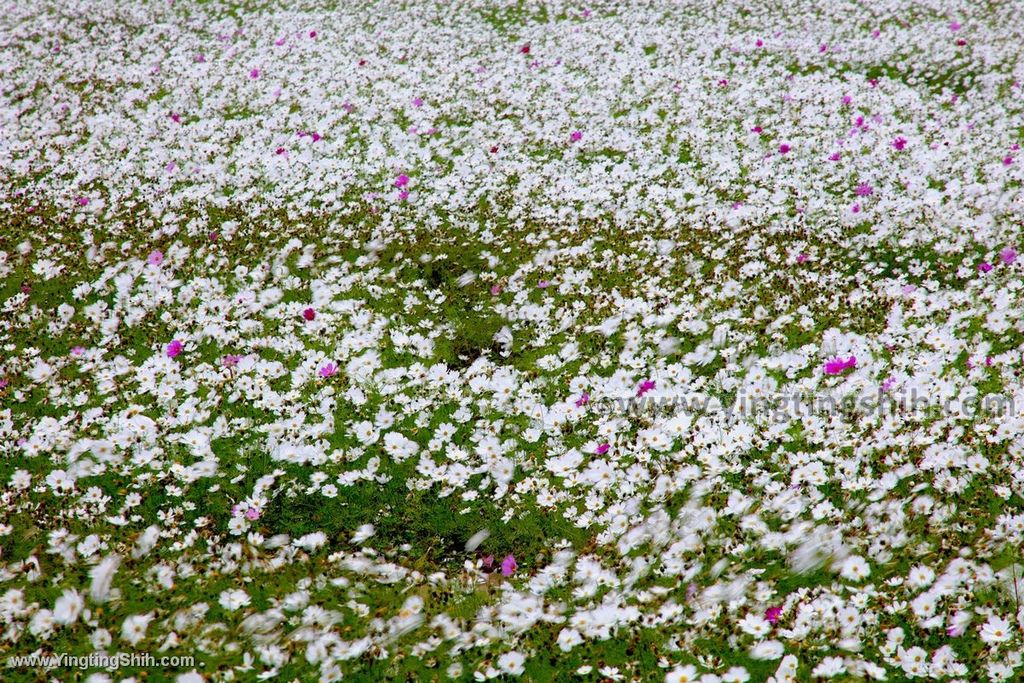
{"type": "Point", "coordinates": [175, 348]}
{"type": "Point", "coordinates": [508, 565]}
{"type": "Point", "coordinates": [837, 366]}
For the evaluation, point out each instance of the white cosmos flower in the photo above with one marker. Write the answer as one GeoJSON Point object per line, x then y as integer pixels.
{"type": "Point", "coordinates": [855, 568]}
{"type": "Point", "coordinates": [363, 533]}
{"type": "Point", "coordinates": [767, 650]}
{"type": "Point", "coordinates": [995, 630]}
{"type": "Point", "coordinates": [682, 674]}
{"type": "Point", "coordinates": [69, 605]}
{"type": "Point", "coordinates": [512, 663]}
{"type": "Point", "coordinates": [102, 576]}
{"type": "Point", "coordinates": [233, 599]}
{"type": "Point", "coordinates": [133, 630]}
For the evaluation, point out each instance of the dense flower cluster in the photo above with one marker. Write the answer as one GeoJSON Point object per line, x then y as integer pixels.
{"type": "Point", "coordinates": [313, 315]}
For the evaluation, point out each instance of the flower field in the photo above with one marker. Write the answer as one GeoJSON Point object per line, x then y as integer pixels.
{"type": "Point", "coordinates": [541, 341]}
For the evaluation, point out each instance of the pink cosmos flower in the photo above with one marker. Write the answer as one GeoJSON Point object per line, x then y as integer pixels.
{"type": "Point", "coordinates": [908, 289]}
{"type": "Point", "coordinates": [772, 614]}
{"type": "Point", "coordinates": [417, 102]}
{"type": "Point", "coordinates": [1007, 161]}
{"type": "Point", "coordinates": [487, 561]}
{"type": "Point", "coordinates": [802, 257]}
{"type": "Point", "coordinates": [495, 290]}
{"type": "Point", "coordinates": [77, 351]}
{"type": "Point", "coordinates": [576, 136]}
{"type": "Point", "coordinates": [864, 190]}
{"type": "Point", "coordinates": [834, 156]}
{"type": "Point", "coordinates": [543, 284]}
{"type": "Point", "coordinates": [784, 149]}
{"type": "Point", "coordinates": [509, 566]}
{"type": "Point", "coordinates": [645, 386]}
{"type": "Point", "coordinates": [309, 314]}
{"type": "Point", "coordinates": [984, 266]}
{"type": "Point", "coordinates": [252, 514]}
{"type": "Point", "coordinates": [174, 348]}
{"type": "Point", "coordinates": [329, 370]}
{"type": "Point", "coordinates": [602, 449]}
{"type": "Point", "coordinates": [954, 26]}
{"type": "Point", "coordinates": [887, 384]}
{"type": "Point", "coordinates": [231, 360]}
{"type": "Point", "coordinates": [255, 73]}
{"type": "Point", "coordinates": [155, 258]}
{"type": "Point", "coordinates": [899, 143]}
{"type": "Point", "coordinates": [402, 180]}
{"type": "Point", "coordinates": [583, 400]}
{"type": "Point", "coordinates": [1008, 255]}
{"type": "Point", "coordinates": [83, 201]}
{"type": "Point", "coordinates": [837, 366]}
{"type": "Point", "coordinates": [403, 195]}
